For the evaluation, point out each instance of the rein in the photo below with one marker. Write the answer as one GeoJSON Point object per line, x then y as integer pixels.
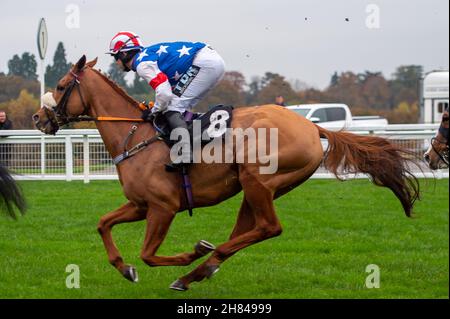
{"type": "Point", "coordinates": [443, 155]}
{"type": "Point", "coordinates": [102, 118]}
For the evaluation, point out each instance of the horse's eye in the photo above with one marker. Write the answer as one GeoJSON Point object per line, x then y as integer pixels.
{"type": "Point", "coordinates": [60, 88]}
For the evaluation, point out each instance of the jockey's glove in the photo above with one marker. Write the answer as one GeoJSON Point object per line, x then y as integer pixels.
{"type": "Point", "coordinates": [156, 109]}
{"type": "Point", "coordinates": [147, 115]}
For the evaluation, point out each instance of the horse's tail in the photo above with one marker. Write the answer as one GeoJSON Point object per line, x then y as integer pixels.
{"type": "Point", "coordinates": [10, 194]}
{"type": "Point", "coordinates": [385, 162]}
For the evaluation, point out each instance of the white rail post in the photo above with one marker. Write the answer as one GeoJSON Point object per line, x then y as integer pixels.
{"type": "Point", "coordinates": [86, 168]}
{"type": "Point", "coordinates": [69, 158]}
{"type": "Point", "coordinates": [43, 156]}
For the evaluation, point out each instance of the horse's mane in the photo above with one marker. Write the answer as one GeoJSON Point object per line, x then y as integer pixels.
{"type": "Point", "coordinates": [116, 87]}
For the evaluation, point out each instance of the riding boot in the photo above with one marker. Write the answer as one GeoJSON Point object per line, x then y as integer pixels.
{"type": "Point", "coordinates": [175, 120]}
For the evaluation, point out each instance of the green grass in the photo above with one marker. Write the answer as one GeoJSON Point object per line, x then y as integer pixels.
{"type": "Point", "coordinates": [332, 231]}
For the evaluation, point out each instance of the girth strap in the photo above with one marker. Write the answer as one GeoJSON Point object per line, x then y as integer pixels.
{"type": "Point", "coordinates": [135, 149]}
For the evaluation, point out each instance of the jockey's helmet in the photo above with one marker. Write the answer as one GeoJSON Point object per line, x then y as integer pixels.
{"type": "Point", "coordinates": [124, 46]}
{"type": "Point", "coordinates": [124, 41]}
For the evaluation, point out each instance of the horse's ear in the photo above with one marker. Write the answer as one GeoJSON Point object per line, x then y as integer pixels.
{"type": "Point", "coordinates": [92, 63]}
{"type": "Point", "coordinates": [81, 63]}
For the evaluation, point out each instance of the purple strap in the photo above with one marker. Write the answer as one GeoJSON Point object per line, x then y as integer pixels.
{"type": "Point", "coordinates": [186, 180]}
{"type": "Point", "coordinates": [188, 116]}
{"type": "Point", "coordinates": [188, 188]}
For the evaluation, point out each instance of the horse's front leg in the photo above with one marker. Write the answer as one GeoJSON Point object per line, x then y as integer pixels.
{"type": "Point", "coordinates": [127, 213]}
{"type": "Point", "coordinates": [158, 222]}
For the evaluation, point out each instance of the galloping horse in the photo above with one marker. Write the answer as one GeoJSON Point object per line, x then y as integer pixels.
{"type": "Point", "coordinates": [437, 154]}
{"type": "Point", "coordinates": [156, 195]}
{"type": "Point", "coordinates": [10, 194]}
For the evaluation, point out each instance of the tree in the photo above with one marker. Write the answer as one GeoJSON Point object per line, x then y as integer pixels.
{"type": "Point", "coordinates": [117, 75]}
{"type": "Point", "coordinates": [25, 66]}
{"type": "Point", "coordinates": [334, 79]}
{"type": "Point", "coordinates": [405, 84]}
{"type": "Point", "coordinates": [310, 96]}
{"type": "Point", "coordinates": [274, 85]}
{"type": "Point", "coordinates": [376, 91]}
{"type": "Point", "coordinates": [15, 66]}
{"type": "Point", "coordinates": [10, 87]}
{"type": "Point", "coordinates": [230, 91]}
{"type": "Point", "coordinates": [346, 90]}
{"type": "Point", "coordinates": [21, 109]}
{"type": "Point", "coordinates": [404, 113]}
{"type": "Point", "coordinates": [408, 76]}
{"type": "Point", "coordinates": [363, 77]}
{"type": "Point", "coordinates": [268, 77]}
{"type": "Point", "coordinates": [60, 67]}
{"type": "Point", "coordinates": [140, 90]}
{"type": "Point", "coordinates": [235, 79]}
{"type": "Point", "coordinates": [298, 85]}
{"type": "Point", "coordinates": [253, 90]}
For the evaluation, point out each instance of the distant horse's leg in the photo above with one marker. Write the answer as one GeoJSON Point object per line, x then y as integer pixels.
{"type": "Point", "coordinates": [127, 213]}
{"type": "Point", "coordinates": [158, 223]}
{"type": "Point", "coordinates": [260, 204]}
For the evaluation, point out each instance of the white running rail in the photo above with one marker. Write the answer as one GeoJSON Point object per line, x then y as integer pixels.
{"type": "Point", "coordinates": [81, 154]}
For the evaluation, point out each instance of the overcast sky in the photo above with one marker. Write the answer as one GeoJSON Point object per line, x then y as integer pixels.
{"type": "Point", "coordinates": [306, 40]}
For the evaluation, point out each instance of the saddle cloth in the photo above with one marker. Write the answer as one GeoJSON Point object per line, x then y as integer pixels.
{"type": "Point", "coordinates": [212, 124]}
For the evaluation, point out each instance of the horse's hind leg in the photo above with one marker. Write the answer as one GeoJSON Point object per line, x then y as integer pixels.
{"type": "Point", "coordinates": [245, 221]}
{"type": "Point", "coordinates": [127, 213]}
{"type": "Point", "coordinates": [258, 202]}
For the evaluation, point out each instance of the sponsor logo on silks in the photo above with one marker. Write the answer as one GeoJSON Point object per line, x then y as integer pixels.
{"type": "Point", "coordinates": [185, 80]}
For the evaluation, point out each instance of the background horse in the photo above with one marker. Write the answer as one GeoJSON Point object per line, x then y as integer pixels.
{"type": "Point", "coordinates": [10, 194]}
{"type": "Point", "coordinates": [156, 195]}
{"type": "Point", "coordinates": [437, 154]}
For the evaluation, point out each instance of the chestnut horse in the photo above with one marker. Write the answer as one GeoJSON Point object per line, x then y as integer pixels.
{"type": "Point", "coordinates": [437, 154]}
{"type": "Point", "coordinates": [156, 195]}
{"type": "Point", "coordinates": [10, 195]}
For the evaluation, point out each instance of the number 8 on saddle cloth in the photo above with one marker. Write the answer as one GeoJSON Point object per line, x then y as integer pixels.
{"type": "Point", "coordinates": [213, 124]}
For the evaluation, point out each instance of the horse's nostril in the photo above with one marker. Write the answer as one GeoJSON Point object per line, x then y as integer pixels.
{"type": "Point", "coordinates": [427, 158]}
{"type": "Point", "coordinates": [36, 117]}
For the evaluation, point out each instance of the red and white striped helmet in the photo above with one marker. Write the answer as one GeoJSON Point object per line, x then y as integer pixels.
{"type": "Point", "coordinates": [124, 41]}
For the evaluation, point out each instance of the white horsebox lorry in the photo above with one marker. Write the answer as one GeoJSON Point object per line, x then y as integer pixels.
{"type": "Point", "coordinates": [336, 116]}
{"type": "Point", "coordinates": [434, 96]}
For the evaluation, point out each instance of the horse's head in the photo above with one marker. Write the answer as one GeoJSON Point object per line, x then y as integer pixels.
{"type": "Point", "coordinates": [437, 155]}
{"type": "Point", "coordinates": [66, 102]}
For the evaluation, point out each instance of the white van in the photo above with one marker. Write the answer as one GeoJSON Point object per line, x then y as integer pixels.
{"type": "Point", "coordinates": [336, 116]}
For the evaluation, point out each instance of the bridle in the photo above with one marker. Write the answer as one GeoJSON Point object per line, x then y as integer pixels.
{"type": "Point", "coordinates": [443, 154]}
{"type": "Point", "coordinates": [60, 110]}
{"type": "Point", "coordinates": [58, 115]}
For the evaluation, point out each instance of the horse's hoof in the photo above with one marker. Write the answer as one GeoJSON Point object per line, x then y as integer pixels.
{"type": "Point", "coordinates": [211, 270]}
{"type": "Point", "coordinates": [131, 274]}
{"type": "Point", "coordinates": [203, 247]}
{"type": "Point", "coordinates": [178, 285]}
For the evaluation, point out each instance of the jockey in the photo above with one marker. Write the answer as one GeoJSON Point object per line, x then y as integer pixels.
{"type": "Point", "coordinates": [181, 73]}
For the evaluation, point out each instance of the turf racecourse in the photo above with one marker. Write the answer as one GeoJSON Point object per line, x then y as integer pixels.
{"type": "Point", "coordinates": [332, 231]}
